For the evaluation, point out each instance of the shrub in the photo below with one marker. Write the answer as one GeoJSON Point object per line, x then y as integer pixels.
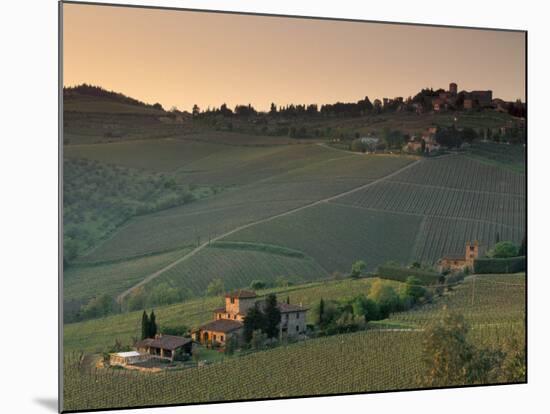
{"type": "Point", "coordinates": [500, 265]}
{"type": "Point", "coordinates": [257, 284]}
{"type": "Point", "coordinates": [504, 249]}
{"type": "Point", "coordinates": [399, 273]}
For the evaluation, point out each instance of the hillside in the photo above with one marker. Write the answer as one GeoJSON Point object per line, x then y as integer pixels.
{"type": "Point", "coordinates": [147, 193]}
{"type": "Point", "coordinates": [372, 360]}
{"type": "Point", "coordinates": [88, 98]}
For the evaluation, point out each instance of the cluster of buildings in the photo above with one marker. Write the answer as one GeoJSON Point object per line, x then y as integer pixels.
{"type": "Point", "coordinates": [425, 142]}
{"type": "Point", "coordinates": [444, 100]}
{"type": "Point", "coordinates": [229, 320]}
{"type": "Point", "coordinates": [227, 323]}
{"type": "Point", "coordinates": [450, 99]}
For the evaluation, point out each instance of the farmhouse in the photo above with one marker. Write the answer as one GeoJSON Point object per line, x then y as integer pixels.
{"type": "Point", "coordinates": [228, 320]}
{"type": "Point", "coordinates": [430, 144]}
{"type": "Point", "coordinates": [458, 263]}
{"type": "Point", "coordinates": [164, 346]}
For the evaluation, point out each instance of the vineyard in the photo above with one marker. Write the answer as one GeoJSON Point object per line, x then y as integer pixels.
{"type": "Point", "coordinates": [208, 218]}
{"type": "Point", "coordinates": [442, 236]}
{"type": "Point", "coordinates": [238, 267]}
{"type": "Point", "coordinates": [441, 202]}
{"type": "Point", "coordinates": [372, 360]}
{"type": "Point", "coordinates": [463, 173]}
{"type": "Point", "coordinates": [346, 235]}
{"type": "Point", "coordinates": [82, 282]}
{"type": "Point", "coordinates": [502, 155]}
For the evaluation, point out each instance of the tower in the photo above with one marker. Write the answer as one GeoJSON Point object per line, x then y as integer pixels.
{"type": "Point", "coordinates": [453, 88]}
{"type": "Point", "coordinates": [472, 252]}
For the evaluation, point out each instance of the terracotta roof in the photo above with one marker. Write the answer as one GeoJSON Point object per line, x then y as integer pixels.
{"type": "Point", "coordinates": [222, 325]}
{"type": "Point", "coordinates": [241, 294]}
{"type": "Point", "coordinates": [170, 342]}
{"type": "Point", "coordinates": [286, 307]}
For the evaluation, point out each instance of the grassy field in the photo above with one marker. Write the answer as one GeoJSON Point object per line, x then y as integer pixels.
{"type": "Point", "coordinates": [372, 360]}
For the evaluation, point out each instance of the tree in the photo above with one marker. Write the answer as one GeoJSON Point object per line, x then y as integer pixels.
{"type": "Point", "coordinates": [98, 307]}
{"type": "Point", "coordinates": [136, 300]}
{"type": "Point", "coordinates": [231, 345]}
{"type": "Point", "coordinates": [385, 296]}
{"type": "Point", "coordinates": [144, 325]}
{"type": "Point", "coordinates": [394, 139]}
{"type": "Point", "coordinates": [257, 284]}
{"type": "Point", "coordinates": [320, 319]}
{"type": "Point", "coordinates": [357, 268]}
{"type": "Point", "coordinates": [258, 339]}
{"type": "Point", "coordinates": [215, 287]}
{"type": "Point", "coordinates": [253, 321]}
{"type": "Point", "coordinates": [153, 328]}
{"type": "Point", "coordinates": [414, 288]}
{"type": "Point", "coordinates": [449, 359]}
{"type": "Point", "coordinates": [358, 146]}
{"type": "Point", "coordinates": [469, 134]}
{"type": "Point", "coordinates": [272, 316]}
{"type": "Point", "coordinates": [448, 137]}
{"type": "Point", "coordinates": [196, 110]}
{"type": "Point", "coordinates": [505, 249]}
{"type": "Point", "coordinates": [164, 294]}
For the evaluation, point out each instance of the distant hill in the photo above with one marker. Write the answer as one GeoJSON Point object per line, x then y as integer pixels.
{"type": "Point", "coordinates": [90, 98]}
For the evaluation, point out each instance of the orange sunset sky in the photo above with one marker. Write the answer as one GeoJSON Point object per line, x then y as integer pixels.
{"type": "Point", "coordinates": [181, 58]}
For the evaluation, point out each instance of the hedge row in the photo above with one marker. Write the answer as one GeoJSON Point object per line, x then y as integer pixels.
{"type": "Point", "coordinates": [402, 273]}
{"type": "Point", "coordinates": [494, 265]}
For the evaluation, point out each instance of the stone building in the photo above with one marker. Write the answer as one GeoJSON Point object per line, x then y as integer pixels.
{"type": "Point", "coordinates": [228, 320]}
{"type": "Point", "coordinates": [459, 262]}
{"type": "Point", "coordinates": [164, 346]}
{"type": "Point", "coordinates": [127, 358]}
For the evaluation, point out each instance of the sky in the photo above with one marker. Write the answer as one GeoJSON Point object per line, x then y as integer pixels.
{"type": "Point", "coordinates": [182, 58]}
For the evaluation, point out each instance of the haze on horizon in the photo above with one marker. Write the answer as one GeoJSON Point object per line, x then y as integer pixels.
{"type": "Point", "coordinates": [181, 58]}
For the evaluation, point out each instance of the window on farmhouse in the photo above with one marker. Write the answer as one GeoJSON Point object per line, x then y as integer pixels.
{"type": "Point", "coordinates": [221, 337]}
{"type": "Point", "coordinates": [297, 328]}
{"type": "Point", "coordinates": [214, 337]}
{"type": "Point", "coordinates": [232, 300]}
{"type": "Point", "coordinates": [297, 316]}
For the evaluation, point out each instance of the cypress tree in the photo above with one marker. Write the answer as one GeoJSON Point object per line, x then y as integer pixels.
{"type": "Point", "coordinates": [253, 320]}
{"type": "Point", "coordinates": [144, 325]}
{"type": "Point", "coordinates": [321, 320]}
{"type": "Point", "coordinates": [272, 316]}
{"type": "Point", "coordinates": [152, 325]}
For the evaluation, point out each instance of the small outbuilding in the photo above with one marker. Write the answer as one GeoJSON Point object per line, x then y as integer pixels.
{"type": "Point", "coordinates": [127, 358]}
{"type": "Point", "coordinates": [164, 346]}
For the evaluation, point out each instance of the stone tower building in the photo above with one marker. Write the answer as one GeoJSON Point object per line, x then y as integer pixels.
{"type": "Point", "coordinates": [453, 88]}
